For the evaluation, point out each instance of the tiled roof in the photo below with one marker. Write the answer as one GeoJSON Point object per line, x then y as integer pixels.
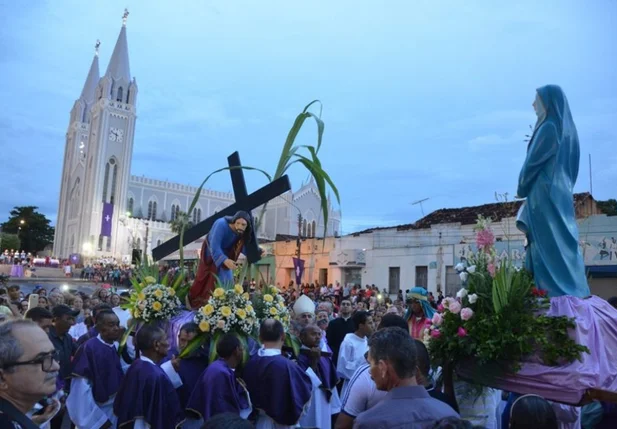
{"type": "Point", "coordinates": [468, 215]}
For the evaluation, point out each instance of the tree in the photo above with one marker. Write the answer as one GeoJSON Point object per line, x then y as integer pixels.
{"type": "Point", "coordinates": [608, 207]}
{"type": "Point", "coordinates": [9, 242]}
{"type": "Point", "coordinates": [32, 228]}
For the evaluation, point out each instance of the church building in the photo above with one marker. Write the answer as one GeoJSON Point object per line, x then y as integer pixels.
{"type": "Point", "coordinates": [105, 212]}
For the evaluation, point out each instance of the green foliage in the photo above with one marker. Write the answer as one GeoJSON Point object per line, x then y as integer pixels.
{"type": "Point", "coordinates": [9, 242]}
{"type": "Point", "coordinates": [608, 207]}
{"type": "Point", "coordinates": [32, 228]}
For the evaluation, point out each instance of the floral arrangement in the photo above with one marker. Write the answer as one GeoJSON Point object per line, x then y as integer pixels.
{"type": "Point", "coordinates": [154, 302]}
{"type": "Point", "coordinates": [269, 304]}
{"type": "Point", "coordinates": [498, 316]}
{"type": "Point", "coordinates": [227, 310]}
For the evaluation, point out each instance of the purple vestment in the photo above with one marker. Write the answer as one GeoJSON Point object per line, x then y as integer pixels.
{"type": "Point", "coordinates": [147, 393]}
{"type": "Point", "coordinates": [92, 332]}
{"type": "Point", "coordinates": [218, 391]}
{"type": "Point", "coordinates": [277, 386]}
{"type": "Point", "coordinates": [100, 365]}
{"type": "Point", "coordinates": [190, 370]}
{"type": "Point", "coordinates": [326, 372]}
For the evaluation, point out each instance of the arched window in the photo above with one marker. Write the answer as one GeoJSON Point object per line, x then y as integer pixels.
{"type": "Point", "coordinates": [177, 212]}
{"type": "Point", "coordinates": [129, 206]}
{"type": "Point", "coordinates": [158, 242]}
{"type": "Point", "coordinates": [173, 212]}
{"type": "Point", "coordinates": [198, 215]}
{"type": "Point", "coordinates": [74, 200]}
{"type": "Point", "coordinates": [314, 226]}
{"type": "Point", "coordinates": [138, 243]}
{"type": "Point", "coordinates": [110, 167]}
{"type": "Point", "coordinates": [304, 228]}
{"type": "Point", "coordinates": [152, 210]}
{"type": "Point", "coordinates": [119, 97]}
{"type": "Point", "coordinates": [309, 230]}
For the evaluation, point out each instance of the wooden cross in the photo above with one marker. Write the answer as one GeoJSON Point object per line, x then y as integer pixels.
{"type": "Point", "coordinates": [243, 202]}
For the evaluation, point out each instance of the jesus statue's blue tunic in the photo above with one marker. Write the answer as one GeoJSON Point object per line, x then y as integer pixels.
{"type": "Point", "coordinates": [547, 217]}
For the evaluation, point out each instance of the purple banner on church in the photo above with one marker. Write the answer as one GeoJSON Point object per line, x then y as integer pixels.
{"type": "Point", "coordinates": [108, 213]}
{"type": "Point", "coordinates": [298, 269]}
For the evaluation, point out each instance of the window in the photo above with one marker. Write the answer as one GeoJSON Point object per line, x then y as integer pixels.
{"type": "Point", "coordinates": [158, 242]}
{"type": "Point", "coordinates": [309, 230]}
{"type": "Point", "coordinates": [138, 242]}
{"type": "Point", "coordinates": [173, 212]}
{"type": "Point", "coordinates": [304, 228]}
{"type": "Point", "coordinates": [196, 215]}
{"type": "Point", "coordinates": [422, 276]}
{"type": "Point", "coordinates": [114, 179]}
{"type": "Point", "coordinates": [453, 281]}
{"type": "Point", "coordinates": [105, 182]}
{"type": "Point", "coordinates": [314, 228]}
{"type": "Point", "coordinates": [100, 247]}
{"type": "Point", "coordinates": [74, 200]}
{"type": "Point", "coordinates": [177, 212]}
{"type": "Point", "coordinates": [119, 97]}
{"type": "Point", "coordinates": [152, 210]}
{"type": "Point", "coordinates": [109, 244]}
{"type": "Point", "coordinates": [130, 205]}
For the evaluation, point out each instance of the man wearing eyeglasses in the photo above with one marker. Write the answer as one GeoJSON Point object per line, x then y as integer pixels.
{"type": "Point", "coordinates": [28, 371]}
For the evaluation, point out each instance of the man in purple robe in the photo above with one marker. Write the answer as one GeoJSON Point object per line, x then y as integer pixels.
{"type": "Point", "coordinates": [218, 389]}
{"type": "Point", "coordinates": [279, 389]}
{"type": "Point", "coordinates": [190, 367]}
{"type": "Point", "coordinates": [147, 398]}
{"type": "Point", "coordinates": [319, 366]}
{"type": "Point", "coordinates": [96, 376]}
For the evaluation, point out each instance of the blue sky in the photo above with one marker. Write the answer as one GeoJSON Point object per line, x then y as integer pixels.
{"type": "Point", "coordinates": [422, 99]}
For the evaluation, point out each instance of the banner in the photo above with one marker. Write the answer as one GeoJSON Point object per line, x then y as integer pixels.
{"type": "Point", "coordinates": [108, 212]}
{"type": "Point", "coordinates": [298, 269]}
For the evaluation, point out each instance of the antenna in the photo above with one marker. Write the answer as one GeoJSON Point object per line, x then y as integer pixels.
{"type": "Point", "coordinates": [420, 202]}
{"type": "Point", "coordinates": [590, 177]}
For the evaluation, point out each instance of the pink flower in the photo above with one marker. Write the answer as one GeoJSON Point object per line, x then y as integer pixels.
{"type": "Point", "coordinates": [435, 333]}
{"type": "Point", "coordinates": [492, 269]}
{"type": "Point", "coordinates": [428, 323]}
{"type": "Point", "coordinates": [461, 332]}
{"type": "Point", "coordinates": [455, 307]}
{"type": "Point", "coordinates": [485, 239]}
{"type": "Point", "coordinates": [440, 308]}
{"type": "Point", "coordinates": [446, 302]}
{"type": "Point", "coordinates": [437, 319]}
{"type": "Point", "coordinates": [466, 313]}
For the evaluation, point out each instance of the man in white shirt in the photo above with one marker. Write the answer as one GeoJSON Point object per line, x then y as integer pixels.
{"type": "Point", "coordinates": [354, 347]}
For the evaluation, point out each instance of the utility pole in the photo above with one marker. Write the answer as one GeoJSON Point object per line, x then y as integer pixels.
{"type": "Point", "coordinates": [298, 241]}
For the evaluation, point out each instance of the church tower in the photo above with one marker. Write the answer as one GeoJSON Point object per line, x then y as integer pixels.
{"type": "Point", "coordinates": [109, 124]}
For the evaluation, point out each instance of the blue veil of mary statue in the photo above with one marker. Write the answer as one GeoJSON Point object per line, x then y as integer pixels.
{"type": "Point", "coordinates": [546, 181]}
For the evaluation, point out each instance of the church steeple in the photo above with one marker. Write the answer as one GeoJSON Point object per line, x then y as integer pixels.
{"type": "Point", "coordinates": [118, 68]}
{"type": "Point", "coordinates": [89, 89]}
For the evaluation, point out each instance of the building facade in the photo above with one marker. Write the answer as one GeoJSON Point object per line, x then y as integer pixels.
{"type": "Point", "coordinates": [104, 211]}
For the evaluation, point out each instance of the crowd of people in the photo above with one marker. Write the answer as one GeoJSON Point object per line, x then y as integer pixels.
{"type": "Point", "coordinates": [362, 364]}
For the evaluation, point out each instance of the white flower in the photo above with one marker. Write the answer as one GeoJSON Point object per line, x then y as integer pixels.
{"type": "Point", "coordinates": [463, 276]}
{"type": "Point", "coordinates": [472, 298]}
{"type": "Point", "coordinates": [462, 293]}
{"type": "Point", "coordinates": [459, 267]}
{"type": "Point", "coordinates": [471, 269]}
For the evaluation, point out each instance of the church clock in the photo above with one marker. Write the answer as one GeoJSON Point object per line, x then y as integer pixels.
{"type": "Point", "coordinates": [116, 135]}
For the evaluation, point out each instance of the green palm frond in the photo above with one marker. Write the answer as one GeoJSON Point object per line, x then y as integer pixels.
{"type": "Point", "coordinates": [194, 345]}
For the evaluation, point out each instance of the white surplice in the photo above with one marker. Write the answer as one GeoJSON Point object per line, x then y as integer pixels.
{"type": "Point", "coordinates": [351, 357]}
{"type": "Point", "coordinates": [84, 411]}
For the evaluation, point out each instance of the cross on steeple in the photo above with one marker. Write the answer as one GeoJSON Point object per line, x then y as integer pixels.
{"type": "Point", "coordinates": [125, 16]}
{"type": "Point", "coordinates": [244, 202]}
{"type": "Point", "coordinates": [96, 47]}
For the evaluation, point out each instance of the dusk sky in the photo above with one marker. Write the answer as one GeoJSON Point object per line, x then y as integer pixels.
{"type": "Point", "coordinates": [421, 99]}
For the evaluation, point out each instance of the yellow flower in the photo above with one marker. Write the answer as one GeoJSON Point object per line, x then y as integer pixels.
{"type": "Point", "coordinates": [218, 292]}
{"type": "Point", "coordinates": [273, 311]}
{"type": "Point", "coordinates": [276, 318]}
{"type": "Point", "coordinates": [156, 306]}
{"type": "Point", "coordinates": [241, 313]}
{"type": "Point", "coordinates": [150, 280]}
{"type": "Point", "coordinates": [141, 296]}
{"type": "Point", "coordinates": [226, 311]}
{"type": "Point", "coordinates": [158, 293]}
{"type": "Point", "coordinates": [268, 298]}
{"type": "Point", "coordinates": [171, 291]}
{"type": "Point", "coordinates": [136, 313]}
{"type": "Point", "coordinates": [204, 326]}
{"type": "Point", "coordinates": [246, 296]}
{"type": "Point", "coordinates": [208, 309]}
{"type": "Point", "coordinates": [249, 308]}
{"type": "Point", "coordinates": [238, 289]}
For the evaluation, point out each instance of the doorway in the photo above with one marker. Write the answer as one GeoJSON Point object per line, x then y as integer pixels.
{"type": "Point", "coordinates": [394, 280]}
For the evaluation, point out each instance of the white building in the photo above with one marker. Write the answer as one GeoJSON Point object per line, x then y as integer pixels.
{"type": "Point", "coordinates": [97, 166]}
{"type": "Point", "coordinates": [424, 253]}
